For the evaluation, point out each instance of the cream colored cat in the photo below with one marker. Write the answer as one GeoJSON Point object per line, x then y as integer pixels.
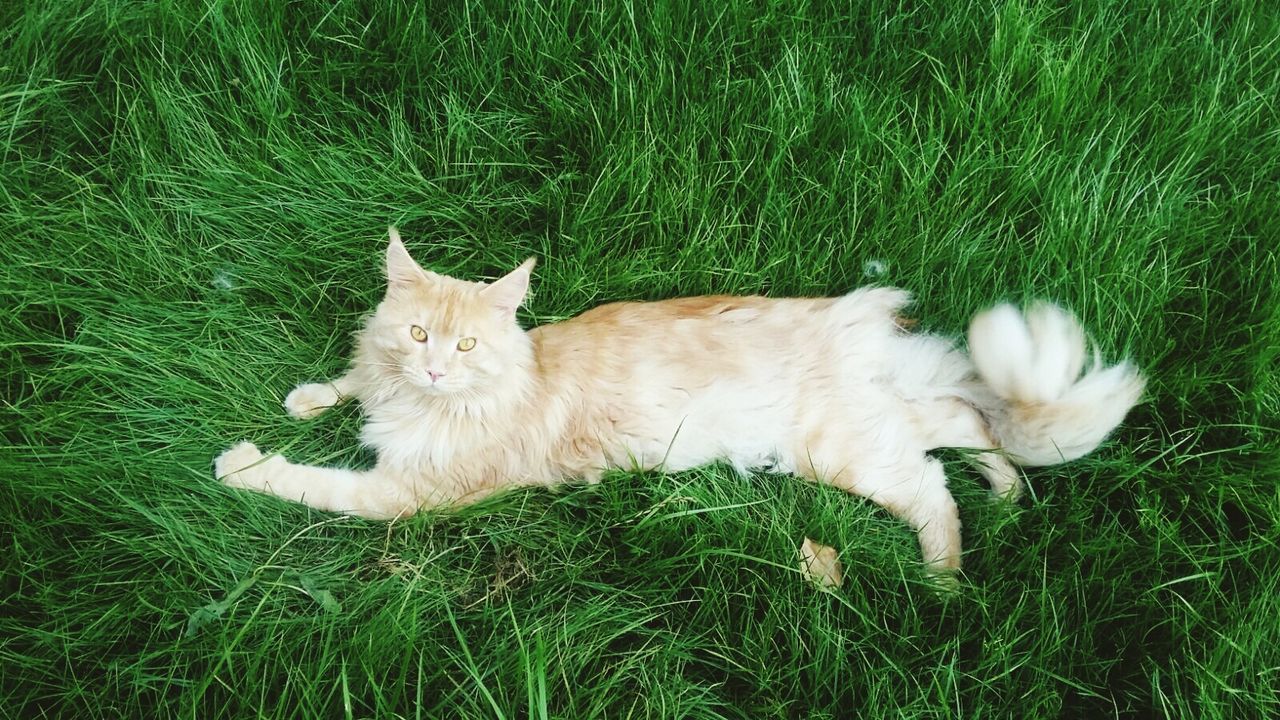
{"type": "Point", "coordinates": [461, 402]}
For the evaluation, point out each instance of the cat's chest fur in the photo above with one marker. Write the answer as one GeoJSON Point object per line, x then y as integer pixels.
{"type": "Point", "coordinates": [419, 437]}
{"type": "Point", "coordinates": [455, 449]}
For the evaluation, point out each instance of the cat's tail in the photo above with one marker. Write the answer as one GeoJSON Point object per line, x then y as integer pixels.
{"type": "Point", "coordinates": [1054, 404]}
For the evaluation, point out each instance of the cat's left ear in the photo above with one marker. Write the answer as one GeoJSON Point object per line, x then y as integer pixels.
{"type": "Point", "coordinates": [508, 292]}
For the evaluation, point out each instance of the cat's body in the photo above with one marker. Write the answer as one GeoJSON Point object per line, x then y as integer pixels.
{"type": "Point", "coordinates": [831, 389]}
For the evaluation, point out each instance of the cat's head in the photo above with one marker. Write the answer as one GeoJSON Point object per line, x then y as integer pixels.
{"type": "Point", "coordinates": [441, 335]}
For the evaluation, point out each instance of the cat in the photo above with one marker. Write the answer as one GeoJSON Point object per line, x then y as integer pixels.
{"type": "Point", "coordinates": [461, 402]}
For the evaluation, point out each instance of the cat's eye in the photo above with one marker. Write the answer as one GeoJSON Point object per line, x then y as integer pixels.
{"type": "Point", "coordinates": [466, 344]}
{"type": "Point", "coordinates": [418, 333]}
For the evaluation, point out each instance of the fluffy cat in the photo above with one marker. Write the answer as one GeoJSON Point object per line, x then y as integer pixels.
{"type": "Point", "coordinates": [461, 402]}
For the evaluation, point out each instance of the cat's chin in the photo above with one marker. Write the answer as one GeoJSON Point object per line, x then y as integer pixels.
{"type": "Point", "coordinates": [433, 389]}
{"type": "Point", "coordinates": [436, 389]}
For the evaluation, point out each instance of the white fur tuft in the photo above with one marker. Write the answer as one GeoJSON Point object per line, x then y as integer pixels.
{"type": "Point", "coordinates": [1056, 409]}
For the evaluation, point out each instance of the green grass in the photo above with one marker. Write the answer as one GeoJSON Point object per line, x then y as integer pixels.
{"type": "Point", "coordinates": [193, 198]}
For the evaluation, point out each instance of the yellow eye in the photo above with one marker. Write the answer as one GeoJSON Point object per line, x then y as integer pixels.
{"type": "Point", "coordinates": [418, 333]}
{"type": "Point", "coordinates": [466, 344]}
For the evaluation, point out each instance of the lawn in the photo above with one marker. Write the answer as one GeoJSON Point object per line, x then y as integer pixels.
{"type": "Point", "coordinates": [193, 202]}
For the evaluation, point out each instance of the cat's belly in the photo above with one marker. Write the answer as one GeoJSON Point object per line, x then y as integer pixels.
{"type": "Point", "coordinates": [748, 430]}
{"type": "Point", "coordinates": [679, 454]}
{"type": "Point", "coordinates": [771, 423]}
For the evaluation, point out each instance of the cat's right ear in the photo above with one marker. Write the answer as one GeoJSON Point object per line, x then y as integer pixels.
{"type": "Point", "coordinates": [402, 271]}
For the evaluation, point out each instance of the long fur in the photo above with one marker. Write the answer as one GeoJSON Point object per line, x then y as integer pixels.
{"type": "Point", "coordinates": [830, 389]}
{"type": "Point", "coordinates": [1052, 407]}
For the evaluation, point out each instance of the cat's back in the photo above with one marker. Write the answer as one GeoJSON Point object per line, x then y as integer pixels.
{"type": "Point", "coordinates": [684, 337]}
{"type": "Point", "coordinates": [702, 314]}
{"type": "Point", "coordinates": [709, 321]}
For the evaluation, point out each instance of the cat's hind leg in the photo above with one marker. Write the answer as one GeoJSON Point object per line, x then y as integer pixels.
{"type": "Point", "coordinates": [910, 485]}
{"type": "Point", "coordinates": [951, 422]}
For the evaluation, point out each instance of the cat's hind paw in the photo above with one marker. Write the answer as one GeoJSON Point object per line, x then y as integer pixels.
{"type": "Point", "coordinates": [310, 399]}
{"type": "Point", "coordinates": [944, 582]}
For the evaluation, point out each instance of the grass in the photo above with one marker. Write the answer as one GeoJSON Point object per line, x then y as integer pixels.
{"type": "Point", "coordinates": [194, 196]}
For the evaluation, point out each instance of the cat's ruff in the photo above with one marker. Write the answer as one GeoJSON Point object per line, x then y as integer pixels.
{"type": "Point", "coordinates": [461, 402]}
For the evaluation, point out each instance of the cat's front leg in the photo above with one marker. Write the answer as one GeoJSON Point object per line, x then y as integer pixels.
{"type": "Point", "coordinates": [310, 399]}
{"type": "Point", "coordinates": [374, 493]}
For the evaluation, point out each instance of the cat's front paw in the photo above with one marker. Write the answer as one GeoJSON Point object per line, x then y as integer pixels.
{"type": "Point", "coordinates": [239, 466]}
{"type": "Point", "coordinates": [310, 399]}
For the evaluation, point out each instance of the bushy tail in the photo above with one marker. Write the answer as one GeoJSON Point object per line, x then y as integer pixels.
{"type": "Point", "coordinates": [1052, 408]}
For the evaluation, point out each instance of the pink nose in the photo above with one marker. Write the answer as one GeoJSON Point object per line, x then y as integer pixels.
{"type": "Point", "coordinates": [435, 375]}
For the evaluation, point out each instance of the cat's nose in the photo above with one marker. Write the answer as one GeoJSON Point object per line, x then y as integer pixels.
{"type": "Point", "coordinates": [435, 375]}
